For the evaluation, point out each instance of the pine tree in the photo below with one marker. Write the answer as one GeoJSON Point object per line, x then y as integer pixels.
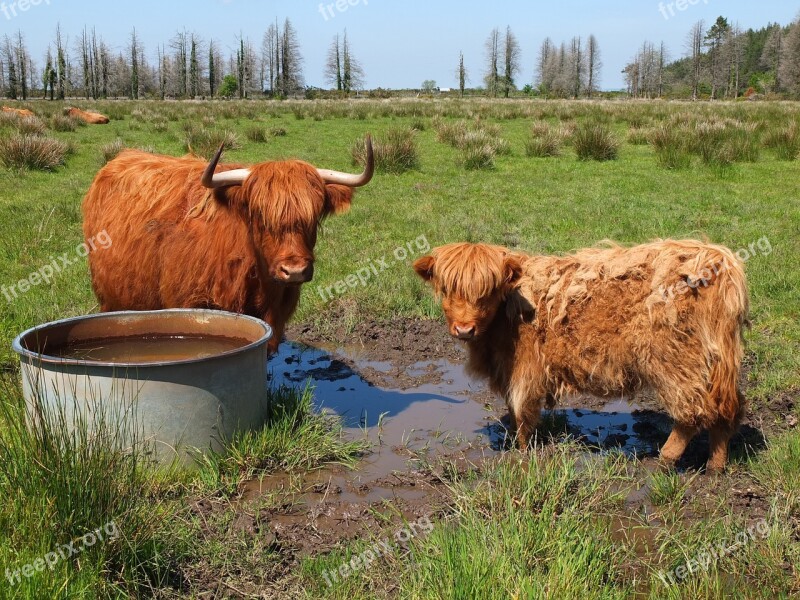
{"type": "Point", "coordinates": [462, 74]}
{"type": "Point", "coordinates": [194, 75]}
{"type": "Point", "coordinates": [212, 69]}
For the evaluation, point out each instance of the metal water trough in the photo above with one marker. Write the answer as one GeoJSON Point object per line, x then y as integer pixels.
{"type": "Point", "coordinates": [180, 405]}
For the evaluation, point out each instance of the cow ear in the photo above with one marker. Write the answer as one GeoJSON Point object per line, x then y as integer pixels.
{"type": "Point", "coordinates": [337, 199]}
{"type": "Point", "coordinates": [424, 267]}
{"type": "Point", "coordinates": [513, 269]}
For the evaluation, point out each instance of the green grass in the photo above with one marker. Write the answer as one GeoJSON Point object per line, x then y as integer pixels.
{"type": "Point", "coordinates": [550, 526]}
{"type": "Point", "coordinates": [295, 440]}
{"type": "Point", "coordinates": [64, 477]}
{"type": "Point", "coordinates": [556, 527]}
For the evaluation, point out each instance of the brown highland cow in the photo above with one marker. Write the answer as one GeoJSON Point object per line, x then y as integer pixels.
{"type": "Point", "coordinates": [667, 315]}
{"type": "Point", "coordinates": [91, 118]}
{"type": "Point", "coordinates": [188, 233]}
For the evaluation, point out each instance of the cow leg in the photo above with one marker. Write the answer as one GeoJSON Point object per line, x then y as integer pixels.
{"type": "Point", "coordinates": [676, 443]}
{"type": "Point", "coordinates": [526, 417]}
{"type": "Point", "coordinates": [719, 436]}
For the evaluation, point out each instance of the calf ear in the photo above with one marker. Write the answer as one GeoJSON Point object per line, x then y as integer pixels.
{"type": "Point", "coordinates": [424, 267]}
{"type": "Point", "coordinates": [513, 269]}
{"type": "Point", "coordinates": [337, 199]}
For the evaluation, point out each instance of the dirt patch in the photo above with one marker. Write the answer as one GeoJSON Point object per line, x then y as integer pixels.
{"type": "Point", "coordinates": [401, 383]}
{"type": "Point", "coordinates": [406, 353]}
{"type": "Point", "coordinates": [397, 340]}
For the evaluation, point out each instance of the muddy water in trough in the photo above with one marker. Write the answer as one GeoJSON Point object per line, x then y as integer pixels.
{"type": "Point", "coordinates": [416, 414]}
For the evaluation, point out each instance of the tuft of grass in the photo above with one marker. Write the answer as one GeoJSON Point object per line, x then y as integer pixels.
{"type": "Point", "coordinates": [63, 476]}
{"type": "Point", "coordinates": [473, 139]}
{"type": "Point", "coordinates": [205, 142]}
{"type": "Point", "coordinates": [638, 136]}
{"type": "Point", "coordinates": [666, 488]}
{"type": "Point", "coordinates": [544, 141]}
{"type": "Point", "coordinates": [785, 141]}
{"type": "Point", "coordinates": [671, 147]}
{"type": "Point", "coordinates": [478, 157]}
{"type": "Point", "coordinates": [31, 126]}
{"type": "Point", "coordinates": [395, 151]}
{"type": "Point", "coordinates": [62, 123]}
{"type": "Point", "coordinates": [595, 141]}
{"type": "Point", "coordinates": [258, 135]}
{"type": "Point", "coordinates": [721, 143]}
{"type": "Point", "coordinates": [294, 438]}
{"type": "Point", "coordinates": [109, 152]}
{"type": "Point", "coordinates": [277, 132]}
{"type": "Point", "coordinates": [450, 133]}
{"type": "Point", "coordinates": [25, 151]}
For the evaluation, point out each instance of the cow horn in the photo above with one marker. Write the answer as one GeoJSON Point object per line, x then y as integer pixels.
{"type": "Point", "coordinates": [347, 178]}
{"type": "Point", "coordinates": [214, 180]}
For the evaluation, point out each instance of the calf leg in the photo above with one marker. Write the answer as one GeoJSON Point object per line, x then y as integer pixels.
{"type": "Point", "coordinates": [676, 443]}
{"type": "Point", "coordinates": [719, 437]}
{"type": "Point", "coordinates": [526, 418]}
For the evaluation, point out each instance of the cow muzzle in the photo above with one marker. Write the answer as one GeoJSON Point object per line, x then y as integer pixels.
{"type": "Point", "coordinates": [464, 332]}
{"type": "Point", "coordinates": [291, 273]}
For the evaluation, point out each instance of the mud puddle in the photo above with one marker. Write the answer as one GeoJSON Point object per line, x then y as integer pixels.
{"type": "Point", "coordinates": [418, 415]}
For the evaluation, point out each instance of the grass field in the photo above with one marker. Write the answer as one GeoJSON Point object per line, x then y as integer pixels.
{"type": "Point", "coordinates": [547, 527]}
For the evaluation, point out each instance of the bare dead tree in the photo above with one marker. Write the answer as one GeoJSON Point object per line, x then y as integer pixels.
{"type": "Point", "coordinates": [545, 74]}
{"type": "Point", "coordinates": [789, 69]}
{"type": "Point", "coordinates": [512, 60]}
{"type": "Point", "coordinates": [593, 65]}
{"type": "Point", "coordinates": [695, 46]}
{"type": "Point", "coordinates": [492, 77]}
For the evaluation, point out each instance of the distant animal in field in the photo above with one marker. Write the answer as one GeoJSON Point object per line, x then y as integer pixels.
{"type": "Point", "coordinates": [92, 118]}
{"type": "Point", "coordinates": [667, 315]}
{"type": "Point", "coordinates": [190, 234]}
{"type": "Point", "coordinates": [20, 112]}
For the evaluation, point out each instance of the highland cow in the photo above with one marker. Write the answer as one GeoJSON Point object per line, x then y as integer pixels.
{"type": "Point", "coordinates": [91, 118]}
{"type": "Point", "coordinates": [190, 234]}
{"type": "Point", "coordinates": [667, 316]}
{"type": "Point", "coordinates": [20, 112]}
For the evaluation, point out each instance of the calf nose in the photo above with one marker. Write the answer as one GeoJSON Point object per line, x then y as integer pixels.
{"type": "Point", "coordinates": [297, 273]}
{"type": "Point", "coordinates": [465, 333]}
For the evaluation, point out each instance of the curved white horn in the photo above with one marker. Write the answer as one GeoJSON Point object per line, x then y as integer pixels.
{"type": "Point", "coordinates": [349, 179]}
{"type": "Point", "coordinates": [213, 180]}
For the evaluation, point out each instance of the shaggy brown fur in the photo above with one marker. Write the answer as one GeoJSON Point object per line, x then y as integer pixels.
{"type": "Point", "coordinates": [92, 118]}
{"type": "Point", "coordinates": [20, 112]}
{"type": "Point", "coordinates": [176, 244]}
{"type": "Point", "coordinates": [666, 315]}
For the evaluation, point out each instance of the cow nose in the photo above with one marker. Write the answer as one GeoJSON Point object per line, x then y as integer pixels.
{"type": "Point", "coordinates": [297, 273]}
{"type": "Point", "coordinates": [465, 333]}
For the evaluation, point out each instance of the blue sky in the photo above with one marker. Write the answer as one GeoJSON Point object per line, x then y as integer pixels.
{"type": "Point", "coordinates": [399, 42]}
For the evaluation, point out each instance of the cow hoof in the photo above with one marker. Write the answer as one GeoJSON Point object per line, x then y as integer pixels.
{"type": "Point", "coordinates": [715, 470]}
{"type": "Point", "coordinates": [666, 465]}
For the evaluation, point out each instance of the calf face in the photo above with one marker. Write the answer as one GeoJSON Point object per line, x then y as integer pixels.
{"type": "Point", "coordinates": [473, 281]}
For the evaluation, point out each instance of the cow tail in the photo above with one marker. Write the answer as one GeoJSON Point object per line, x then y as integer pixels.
{"type": "Point", "coordinates": [729, 315]}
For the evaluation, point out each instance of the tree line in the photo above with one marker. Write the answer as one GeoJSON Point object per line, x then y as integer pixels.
{"type": "Point", "coordinates": [720, 61]}
{"type": "Point", "coordinates": [186, 66]}
{"type": "Point", "coordinates": [561, 71]}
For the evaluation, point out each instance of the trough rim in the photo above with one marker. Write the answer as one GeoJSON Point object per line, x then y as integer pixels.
{"type": "Point", "coordinates": [39, 358]}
